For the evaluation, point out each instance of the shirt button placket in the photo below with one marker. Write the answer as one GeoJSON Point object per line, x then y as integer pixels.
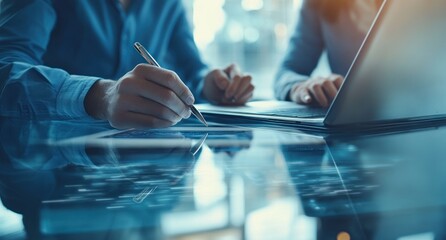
{"type": "Point", "coordinates": [124, 48]}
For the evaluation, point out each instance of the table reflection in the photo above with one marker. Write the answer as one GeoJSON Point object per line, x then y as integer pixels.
{"type": "Point", "coordinates": [374, 187]}
{"type": "Point", "coordinates": [76, 180]}
{"type": "Point", "coordinates": [79, 189]}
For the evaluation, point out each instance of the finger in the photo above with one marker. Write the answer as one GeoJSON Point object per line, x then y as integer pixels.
{"type": "Point", "coordinates": [235, 78]}
{"type": "Point", "coordinates": [221, 79]}
{"type": "Point", "coordinates": [330, 90]}
{"type": "Point", "coordinates": [164, 96]}
{"type": "Point", "coordinates": [166, 79]}
{"type": "Point", "coordinates": [245, 83]}
{"type": "Point", "coordinates": [231, 70]}
{"type": "Point", "coordinates": [137, 120]}
{"type": "Point", "coordinates": [142, 105]}
{"type": "Point", "coordinates": [319, 95]}
{"type": "Point", "coordinates": [303, 96]}
{"type": "Point", "coordinates": [337, 80]}
{"type": "Point", "coordinates": [233, 86]}
{"type": "Point", "coordinates": [243, 97]}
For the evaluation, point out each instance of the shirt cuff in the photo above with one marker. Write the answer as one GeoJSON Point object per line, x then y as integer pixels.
{"type": "Point", "coordinates": [70, 101]}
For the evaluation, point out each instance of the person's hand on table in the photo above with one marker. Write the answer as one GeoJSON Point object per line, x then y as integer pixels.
{"type": "Point", "coordinates": [318, 91]}
{"type": "Point", "coordinates": [228, 86]}
{"type": "Point", "coordinates": [146, 97]}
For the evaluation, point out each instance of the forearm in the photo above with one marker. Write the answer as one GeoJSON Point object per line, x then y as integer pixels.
{"type": "Point", "coordinates": [304, 50]}
{"type": "Point", "coordinates": [42, 92]}
{"type": "Point", "coordinates": [31, 89]}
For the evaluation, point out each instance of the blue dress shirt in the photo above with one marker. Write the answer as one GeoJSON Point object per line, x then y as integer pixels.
{"type": "Point", "coordinates": [53, 51]}
{"type": "Point", "coordinates": [314, 35]}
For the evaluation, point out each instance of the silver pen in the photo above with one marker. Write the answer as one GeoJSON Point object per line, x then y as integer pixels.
{"type": "Point", "coordinates": [146, 55]}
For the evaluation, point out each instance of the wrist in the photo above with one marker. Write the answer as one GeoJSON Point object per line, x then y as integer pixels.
{"type": "Point", "coordinates": [292, 90]}
{"type": "Point", "coordinates": [95, 102]}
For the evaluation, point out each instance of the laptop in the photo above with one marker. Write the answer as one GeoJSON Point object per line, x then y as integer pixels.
{"type": "Point", "coordinates": [398, 76]}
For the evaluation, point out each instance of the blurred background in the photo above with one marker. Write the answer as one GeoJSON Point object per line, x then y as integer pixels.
{"type": "Point", "coordinates": [252, 33]}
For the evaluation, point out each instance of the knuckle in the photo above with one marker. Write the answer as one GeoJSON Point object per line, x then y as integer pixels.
{"type": "Point", "coordinates": [139, 68]}
{"type": "Point", "coordinates": [237, 78]}
{"type": "Point", "coordinates": [247, 79]}
{"type": "Point", "coordinates": [182, 92]}
{"type": "Point", "coordinates": [315, 85]}
{"type": "Point", "coordinates": [326, 84]}
{"type": "Point", "coordinates": [172, 75]}
{"type": "Point", "coordinates": [171, 78]}
{"type": "Point", "coordinates": [125, 83]}
{"type": "Point", "coordinates": [169, 97]}
{"type": "Point", "coordinates": [127, 80]}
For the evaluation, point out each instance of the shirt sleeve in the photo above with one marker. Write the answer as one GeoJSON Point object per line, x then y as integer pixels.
{"type": "Point", "coordinates": [304, 50]}
{"type": "Point", "coordinates": [30, 88]}
{"type": "Point", "coordinates": [187, 61]}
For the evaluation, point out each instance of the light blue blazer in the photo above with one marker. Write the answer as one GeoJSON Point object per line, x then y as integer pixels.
{"type": "Point", "coordinates": [314, 35]}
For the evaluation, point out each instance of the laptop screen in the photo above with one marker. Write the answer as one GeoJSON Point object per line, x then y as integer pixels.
{"type": "Point", "coordinates": [399, 72]}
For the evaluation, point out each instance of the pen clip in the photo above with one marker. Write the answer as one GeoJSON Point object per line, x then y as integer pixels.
{"type": "Point", "coordinates": [145, 54]}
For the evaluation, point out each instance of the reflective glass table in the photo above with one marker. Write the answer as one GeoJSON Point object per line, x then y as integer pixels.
{"type": "Point", "coordinates": [83, 180]}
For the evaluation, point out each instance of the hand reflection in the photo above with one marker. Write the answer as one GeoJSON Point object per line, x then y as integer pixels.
{"type": "Point", "coordinates": [230, 142]}
{"type": "Point", "coordinates": [93, 188]}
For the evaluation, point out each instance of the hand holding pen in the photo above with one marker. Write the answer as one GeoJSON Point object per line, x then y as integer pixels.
{"type": "Point", "coordinates": [150, 60]}
{"type": "Point", "coordinates": [146, 97]}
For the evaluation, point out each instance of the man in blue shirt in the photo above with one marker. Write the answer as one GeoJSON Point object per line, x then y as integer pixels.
{"type": "Point", "coordinates": [74, 59]}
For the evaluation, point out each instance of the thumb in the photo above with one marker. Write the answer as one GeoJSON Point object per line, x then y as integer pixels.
{"type": "Point", "coordinates": [233, 71]}
{"type": "Point", "coordinates": [220, 79]}
{"type": "Point", "coordinates": [304, 96]}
